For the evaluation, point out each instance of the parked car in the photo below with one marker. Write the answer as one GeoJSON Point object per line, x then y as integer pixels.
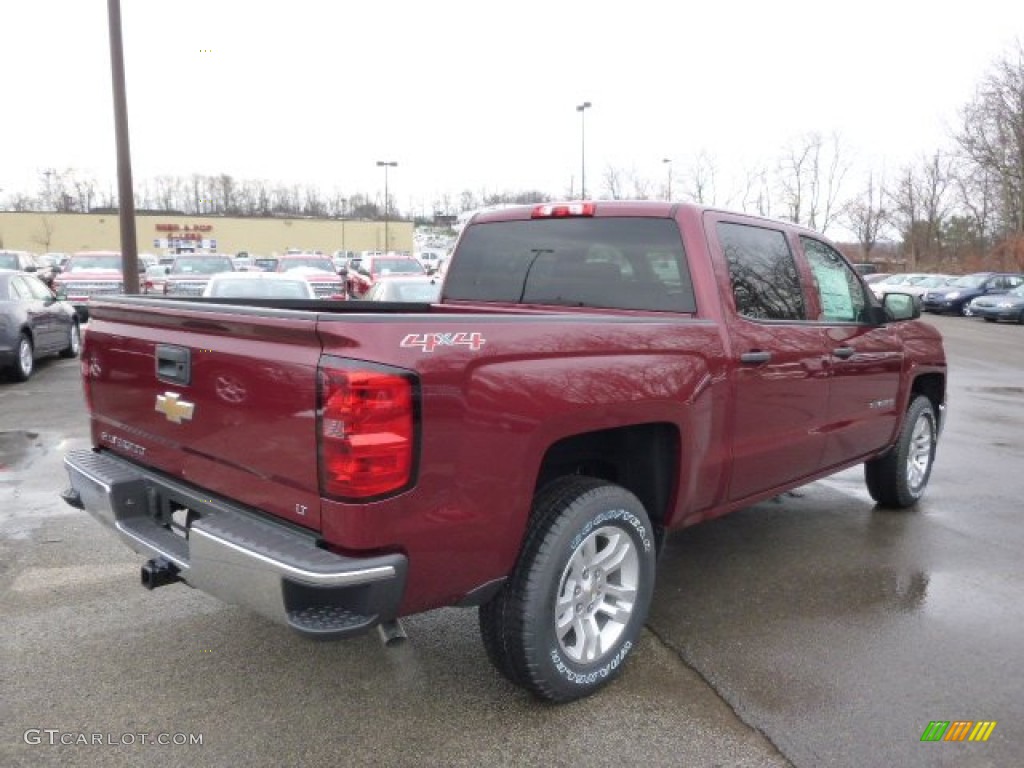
{"type": "Point", "coordinates": [422, 288]}
{"type": "Point", "coordinates": [266, 263]}
{"type": "Point", "coordinates": [50, 265]}
{"type": "Point", "coordinates": [1006, 306]}
{"type": "Point", "coordinates": [897, 283]}
{"type": "Point", "coordinates": [153, 279]}
{"type": "Point", "coordinates": [932, 282]}
{"type": "Point", "coordinates": [318, 270]}
{"type": "Point", "coordinates": [33, 323]}
{"type": "Point", "coordinates": [87, 274]}
{"type": "Point", "coordinates": [259, 285]}
{"type": "Point", "coordinates": [956, 296]}
{"type": "Point", "coordinates": [362, 277]}
{"type": "Point", "coordinates": [190, 273]}
{"type": "Point", "coordinates": [23, 261]}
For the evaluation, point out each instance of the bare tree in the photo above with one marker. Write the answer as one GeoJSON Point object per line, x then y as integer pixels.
{"type": "Point", "coordinates": [866, 215]}
{"type": "Point", "coordinates": [810, 177]}
{"type": "Point", "coordinates": [44, 234]}
{"type": "Point", "coordinates": [992, 136]}
{"type": "Point", "coordinates": [757, 195]}
{"type": "Point", "coordinates": [612, 182]}
{"type": "Point", "coordinates": [920, 205]}
{"type": "Point", "coordinates": [700, 179]}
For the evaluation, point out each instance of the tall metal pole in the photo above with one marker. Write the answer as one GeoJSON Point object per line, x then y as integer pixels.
{"type": "Point", "coordinates": [583, 148]}
{"type": "Point", "coordinates": [125, 192]}
{"type": "Point", "coordinates": [385, 164]}
{"type": "Point", "coordinates": [668, 190]}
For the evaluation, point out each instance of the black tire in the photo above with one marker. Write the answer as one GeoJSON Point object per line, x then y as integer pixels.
{"type": "Point", "coordinates": [990, 319]}
{"type": "Point", "coordinates": [899, 478]}
{"type": "Point", "coordinates": [492, 631]}
{"type": "Point", "coordinates": [24, 359]}
{"type": "Point", "coordinates": [74, 341]}
{"type": "Point", "coordinates": [590, 546]}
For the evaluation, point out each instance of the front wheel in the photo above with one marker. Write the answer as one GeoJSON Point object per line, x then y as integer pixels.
{"type": "Point", "coordinates": [965, 309]}
{"type": "Point", "coordinates": [577, 600]}
{"type": "Point", "coordinates": [898, 478]}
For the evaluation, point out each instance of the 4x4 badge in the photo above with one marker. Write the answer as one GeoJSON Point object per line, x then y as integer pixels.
{"type": "Point", "coordinates": [174, 408]}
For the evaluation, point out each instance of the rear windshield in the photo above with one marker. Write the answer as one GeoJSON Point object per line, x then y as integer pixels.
{"type": "Point", "coordinates": [617, 263]}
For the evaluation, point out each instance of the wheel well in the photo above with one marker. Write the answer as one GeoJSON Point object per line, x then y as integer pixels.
{"type": "Point", "coordinates": [643, 458]}
{"type": "Point", "coordinates": [932, 386]}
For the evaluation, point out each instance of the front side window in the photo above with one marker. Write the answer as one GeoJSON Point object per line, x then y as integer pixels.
{"type": "Point", "coordinates": [839, 291]}
{"type": "Point", "coordinates": [762, 269]}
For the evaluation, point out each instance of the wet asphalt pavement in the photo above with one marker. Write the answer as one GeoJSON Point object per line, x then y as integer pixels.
{"type": "Point", "coordinates": [811, 630]}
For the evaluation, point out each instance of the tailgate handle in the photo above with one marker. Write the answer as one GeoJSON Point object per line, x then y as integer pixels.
{"type": "Point", "coordinates": [173, 364]}
{"type": "Point", "coordinates": [754, 358]}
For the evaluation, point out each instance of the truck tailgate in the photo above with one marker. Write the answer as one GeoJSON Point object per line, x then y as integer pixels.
{"type": "Point", "coordinates": [218, 399]}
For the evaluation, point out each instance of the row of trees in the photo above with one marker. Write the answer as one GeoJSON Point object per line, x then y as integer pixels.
{"type": "Point", "coordinates": [957, 208]}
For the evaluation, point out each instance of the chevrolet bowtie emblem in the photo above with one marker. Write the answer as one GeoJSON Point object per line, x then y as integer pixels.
{"type": "Point", "coordinates": [174, 408]}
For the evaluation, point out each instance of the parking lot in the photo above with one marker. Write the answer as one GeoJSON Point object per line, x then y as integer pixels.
{"type": "Point", "coordinates": [811, 630]}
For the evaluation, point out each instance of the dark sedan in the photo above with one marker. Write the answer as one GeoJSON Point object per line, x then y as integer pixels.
{"type": "Point", "coordinates": [955, 297]}
{"type": "Point", "coordinates": [33, 323]}
{"type": "Point", "coordinates": [1006, 306]}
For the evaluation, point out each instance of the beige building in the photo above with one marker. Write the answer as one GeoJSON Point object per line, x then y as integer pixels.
{"type": "Point", "coordinates": [167, 233]}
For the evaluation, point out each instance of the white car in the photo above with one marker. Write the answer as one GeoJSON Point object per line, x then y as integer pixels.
{"type": "Point", "coordinates": [898, 283]}
{"type": "Point", "coordinates": [259, 285]}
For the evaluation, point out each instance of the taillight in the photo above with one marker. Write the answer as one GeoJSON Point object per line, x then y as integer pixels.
{"type": "Point", "coordinates": [563, 210]}
{"type": "Point", "coordinates": [367, 430]}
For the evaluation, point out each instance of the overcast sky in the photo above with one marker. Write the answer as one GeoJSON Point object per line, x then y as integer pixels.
{"type": "Point", "coordinates": [482, 95]}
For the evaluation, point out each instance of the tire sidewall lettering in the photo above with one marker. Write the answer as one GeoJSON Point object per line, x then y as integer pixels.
{"type": "Point", "coordinates": [622, 515]}
{"type": "Point", "coordinates": [592, 677]}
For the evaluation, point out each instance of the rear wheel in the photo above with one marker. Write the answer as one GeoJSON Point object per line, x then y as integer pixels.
{"type": "Point", "coordinates": [74, 341]}
{"type": "Point", "coordinates": [24, 361]}
{"type": "Point", "coordinates": [577, 600]}
{"type": "Point", "coordinates": [898, 478]}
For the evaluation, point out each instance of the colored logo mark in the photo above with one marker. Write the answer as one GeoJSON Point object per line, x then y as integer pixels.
{"type": "Point", "coordinates": [958, 730]}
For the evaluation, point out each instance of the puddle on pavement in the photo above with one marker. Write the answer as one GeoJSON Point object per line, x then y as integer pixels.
{"type": "Point", "coordinates": [19, 448]}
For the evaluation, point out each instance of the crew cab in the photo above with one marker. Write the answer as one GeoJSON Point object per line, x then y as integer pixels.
{"type": "Point", "coordinates": [365, 271]}
{"type": "Point", "coordinates": [318, 270]}
{"type": "Point", "coordinates": [593, 376]}
{"type": "Point", "coordinates": [88, 274]}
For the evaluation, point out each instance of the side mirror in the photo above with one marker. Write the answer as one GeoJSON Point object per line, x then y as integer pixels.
{"type": "Point", "coordinates": [902, 306]}
{"type": "Point", "coordinates": [31, 268]}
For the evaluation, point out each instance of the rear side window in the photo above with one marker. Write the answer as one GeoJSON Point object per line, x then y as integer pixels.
{"type": "Point", "coordinates": [762, 269]}
{"type": "Point", "coordinates": [615, 263]}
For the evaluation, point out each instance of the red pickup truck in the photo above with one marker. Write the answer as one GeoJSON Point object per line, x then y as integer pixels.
{"type": "Point", "coordinates": [594, 375]}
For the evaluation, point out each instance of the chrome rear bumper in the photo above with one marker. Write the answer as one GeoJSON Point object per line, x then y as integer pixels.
{"type": "Point", "coordinates": [234, 553]}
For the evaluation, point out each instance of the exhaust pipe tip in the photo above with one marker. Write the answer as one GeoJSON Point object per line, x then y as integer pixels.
{"type": "Point", "coordinates": [159, 573]}
{"type": "Point", "coordinates": [392, 633]}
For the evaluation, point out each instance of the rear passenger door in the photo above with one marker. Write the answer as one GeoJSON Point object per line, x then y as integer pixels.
{"type": "Point", "coordinates": [779, 359]}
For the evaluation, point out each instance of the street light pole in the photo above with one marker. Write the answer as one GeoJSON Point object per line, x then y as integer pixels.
{"type": "Point", "coordinates": [583, 148]}
{"type": "Point", "coordinates": [125, 192]}
{"type": "Point", "coordinates": [385, 164]}
{"type": "Point", "coordinates": [668, 189]}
